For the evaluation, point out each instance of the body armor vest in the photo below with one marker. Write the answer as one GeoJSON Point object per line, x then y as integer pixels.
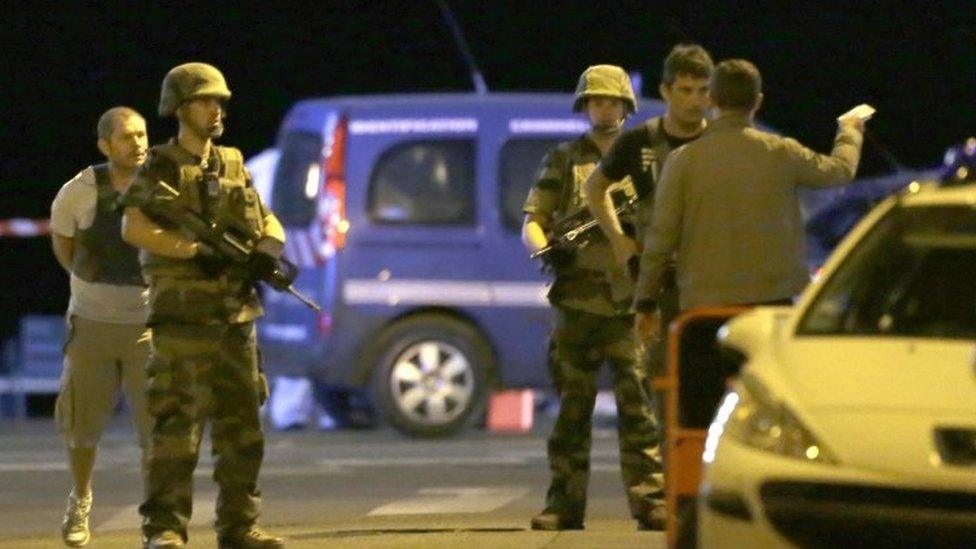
{"type": "Point", "coordinates": [220, 191]}
{"type": "Point", "coordinates": [100, 254]}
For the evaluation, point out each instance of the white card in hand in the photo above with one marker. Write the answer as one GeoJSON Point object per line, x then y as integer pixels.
{"type": "Point", "coordinates": [862, 111]}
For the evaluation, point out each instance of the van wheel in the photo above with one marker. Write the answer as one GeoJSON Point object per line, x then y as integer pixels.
{"type": "Point", "coordinates": [430, 376]}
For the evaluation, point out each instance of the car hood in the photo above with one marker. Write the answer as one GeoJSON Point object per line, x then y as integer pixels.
{"type": "Point", "coordinates": [882, 405]}
{"type": "Point", "coordinates": [881, 374]}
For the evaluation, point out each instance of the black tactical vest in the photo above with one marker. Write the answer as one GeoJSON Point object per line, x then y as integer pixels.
{"type": "Point", "coordinates": [100, 254]}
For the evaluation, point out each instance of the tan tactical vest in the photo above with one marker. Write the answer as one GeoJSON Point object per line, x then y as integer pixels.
{"type": "Point", "coordinates": [222, 195]}
{"type": "Point", "coordinates": [595, 283]}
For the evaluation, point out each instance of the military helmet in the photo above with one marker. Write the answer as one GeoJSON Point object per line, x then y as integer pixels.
{"type": "Point", "coordinates": [608, 81]}
{"type": "Point", "coordinates": [960, 163]}
{"type": "Point", "coordinates": [190, 80]}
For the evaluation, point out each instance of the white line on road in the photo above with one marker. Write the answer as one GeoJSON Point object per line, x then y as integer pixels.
{"type": "Point", "coordinates": [425, 461]}
{"type": "Point", "coordinates": [317, 467]}
{"type": "Point", "coordinates": [127, 518]}
{"type": "Point", "coordinates": [24, 467]}
{"type": "Point", "coordinates": [451, 500]}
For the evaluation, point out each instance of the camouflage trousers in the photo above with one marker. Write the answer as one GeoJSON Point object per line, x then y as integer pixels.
{"type": "Point", "coordinates": [199, 373]}
{"type": "Point", "coordinates": [583, 342]}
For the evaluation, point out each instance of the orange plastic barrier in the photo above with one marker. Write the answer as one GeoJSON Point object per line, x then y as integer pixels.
{"type": "Point", "coordinates": [683, 445]}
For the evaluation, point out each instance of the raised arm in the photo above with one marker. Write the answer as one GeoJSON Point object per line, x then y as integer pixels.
{"type": "Point", "coordinates": [839, 167]}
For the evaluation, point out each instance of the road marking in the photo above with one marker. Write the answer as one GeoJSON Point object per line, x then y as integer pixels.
{"type": "Point", "coordinates": [451, 500]}
{"type": "Point", "coordinates": [518, 458]}
{"type": "Point", "coordinates": [127, 518]}
{"type": "Point", "coordinates": [425, 462]}
{"type": "Point", "coordinates": [24, 467]}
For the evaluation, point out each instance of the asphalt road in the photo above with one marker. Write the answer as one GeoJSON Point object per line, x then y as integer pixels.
{"type": "Point", "coordinates": [332, 489]}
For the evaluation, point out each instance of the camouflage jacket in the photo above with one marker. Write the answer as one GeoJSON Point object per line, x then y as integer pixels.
{"type": "Point", "coordinates": [180, 291]}
{"type": "Point", "coordinates": [593, 282]}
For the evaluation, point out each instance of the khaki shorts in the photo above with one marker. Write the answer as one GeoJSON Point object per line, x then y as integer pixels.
{"type": "Point", "coordinates": [99, 359]}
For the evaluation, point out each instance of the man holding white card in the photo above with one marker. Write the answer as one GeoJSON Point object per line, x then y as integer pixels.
{"type": "Point", "coordinates": [727, 204]}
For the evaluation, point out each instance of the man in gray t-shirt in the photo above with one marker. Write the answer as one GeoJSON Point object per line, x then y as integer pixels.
{"type": "Point", "coordinates": [108, 342]}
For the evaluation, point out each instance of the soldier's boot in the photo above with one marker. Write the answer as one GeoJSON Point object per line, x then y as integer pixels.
{"type": "Point", "coordinates": [74, 526]}
{"type": "Point", "coordinates": [550, 519]}
{"type": "Point", "coordinates": [252, 537]}
{"type": "Point", "coordinates": [167, 539]}
{"type": "Point", "coordinates": [655, 519]}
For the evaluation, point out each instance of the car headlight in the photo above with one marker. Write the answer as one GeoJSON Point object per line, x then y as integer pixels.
{"type": "Point", "coordinates": [752, 416]}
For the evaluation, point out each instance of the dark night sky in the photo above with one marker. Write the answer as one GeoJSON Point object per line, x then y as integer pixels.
{"type": "Point", "coordinates": [62, 65]}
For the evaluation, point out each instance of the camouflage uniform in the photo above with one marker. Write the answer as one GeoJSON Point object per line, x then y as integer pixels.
{"type": "Point", "coordinates": [204, 361]}
{"type": "Point", "coordinates": [593, 325]}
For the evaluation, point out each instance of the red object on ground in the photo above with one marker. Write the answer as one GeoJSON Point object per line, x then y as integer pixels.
{"type": "Point", "coordinates": [511, 411]}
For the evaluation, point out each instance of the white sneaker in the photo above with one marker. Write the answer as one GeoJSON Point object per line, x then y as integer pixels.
{"type": "Point", "coordinates": [74, 526]}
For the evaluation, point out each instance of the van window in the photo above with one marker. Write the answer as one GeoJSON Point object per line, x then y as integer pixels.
{"type": "Point", "coordinates": [297, 178]}
{"type": "Point", "coordinates": [426, 182]}
{"type": "Point", "coordinates": [517, 169]}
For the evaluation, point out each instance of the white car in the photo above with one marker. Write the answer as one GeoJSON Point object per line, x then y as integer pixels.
{"type": "Point", "coordinates": [853, 423]}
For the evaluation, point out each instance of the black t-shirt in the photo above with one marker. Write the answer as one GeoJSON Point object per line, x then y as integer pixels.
{"type": "Point", "coordinates": [636, 153]}
{"type": "Point", "coordinates": [673, 142]}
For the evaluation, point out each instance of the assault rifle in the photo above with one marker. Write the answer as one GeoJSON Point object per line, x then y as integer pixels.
{"type": "Point", "coordinates": [578, 228]}
{"type": "Point", "coordinates": [231, 240]}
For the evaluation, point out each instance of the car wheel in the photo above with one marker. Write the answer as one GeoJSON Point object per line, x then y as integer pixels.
{"type": "Point", "coordinates": [430, 377]}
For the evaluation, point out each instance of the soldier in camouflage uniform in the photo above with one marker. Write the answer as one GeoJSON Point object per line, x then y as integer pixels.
{"type": "Point", "coordinates": [591, 300]}
{"type": "Point", "coordinates": [204, 358]}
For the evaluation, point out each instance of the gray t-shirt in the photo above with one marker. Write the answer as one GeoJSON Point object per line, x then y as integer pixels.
{"type": "Point", "coordinates": [73, 209]}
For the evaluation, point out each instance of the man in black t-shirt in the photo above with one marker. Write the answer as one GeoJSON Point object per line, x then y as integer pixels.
{"type": "Point", "coordinates": [640, 153]}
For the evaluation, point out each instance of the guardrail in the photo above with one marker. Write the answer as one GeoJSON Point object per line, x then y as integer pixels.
{"type": "Point", "coordinates": [35, 363]}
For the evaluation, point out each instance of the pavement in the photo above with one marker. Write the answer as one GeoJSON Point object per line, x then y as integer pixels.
{"type": "Point", "coordinates": [360, 489]}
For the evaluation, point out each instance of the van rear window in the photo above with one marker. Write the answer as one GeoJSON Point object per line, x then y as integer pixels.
{"type": "Point", "coordinates": [425, 182]}
{"type": "Point", "coordinates": [517, 168]}
{"type": "Point", "coordinates": [297, 179]}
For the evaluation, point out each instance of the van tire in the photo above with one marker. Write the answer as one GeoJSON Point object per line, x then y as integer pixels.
{"type": "Point", "coordinates": [430, 375]}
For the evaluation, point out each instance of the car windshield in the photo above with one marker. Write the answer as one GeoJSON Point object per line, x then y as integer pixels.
{"type": "Point", "coordinates": [912, 275]}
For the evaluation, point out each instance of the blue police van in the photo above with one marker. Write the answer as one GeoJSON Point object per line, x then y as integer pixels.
{"type": "Point", "coordinates": [404, 214]}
